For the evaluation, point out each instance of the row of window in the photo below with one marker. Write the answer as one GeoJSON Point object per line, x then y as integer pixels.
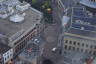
{"type": "Point", "coordinates": [79, 44]}
{"type": "Point", "coordinates": [79, 49]}
{"type": "Point", "coordinates": [7, 57]}
{"type": "Point", "coordinates": [24, 41]}
{"type": "Point", "coordinates": [25, 35]}
{"type": "Point", "coordinates": [10, 51]}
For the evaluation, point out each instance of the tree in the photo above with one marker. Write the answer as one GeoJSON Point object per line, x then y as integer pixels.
{"type": "Point", "coordinates": [34, 1]}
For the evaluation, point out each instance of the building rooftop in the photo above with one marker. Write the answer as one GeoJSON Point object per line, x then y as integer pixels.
{"type": "Point", "coordinates": [88, 3]}
{"type": "Point", "coordinates": [11, 2]}
{"type": "Point", "coordinates": [9, 28]}
{"type": "Point", "coordinates": [83, 23]}
{"type": "Point", "coordinates": [67, 3]}
{"type": "Point", "coordinates": [30, 18]}
{"type": "Point", "coordinates": [4, 48]}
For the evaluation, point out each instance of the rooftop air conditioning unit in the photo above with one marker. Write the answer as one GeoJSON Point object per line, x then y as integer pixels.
{"type": "Point", "coordinates": [89, 14]}
{"type": "Point", "coordinates": [17, 18]}
{"type": "Point", "coordinates": [82, 28]}
{"type": "Point", "coordinates": [78, 21]}
{"type": "Point", "coordinates": [3, 16]}
{"type": "Point", "coordinates": [22, 7]}
{"type": "Point", "coordinates": [11, 10]}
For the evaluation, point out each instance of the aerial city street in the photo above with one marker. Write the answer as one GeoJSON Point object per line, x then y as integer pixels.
{"type": "Point", "coordinates": [47, 31]}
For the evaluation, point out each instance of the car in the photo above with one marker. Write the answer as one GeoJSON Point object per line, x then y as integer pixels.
{"type": "Point", "coordinates": [54, 49]}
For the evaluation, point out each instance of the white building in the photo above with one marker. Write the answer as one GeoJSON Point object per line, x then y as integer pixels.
{"type": "Point", "coordinates": [6, 53]}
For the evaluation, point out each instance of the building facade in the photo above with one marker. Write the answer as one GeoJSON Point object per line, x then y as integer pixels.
{"type": "Point", "coordinates": [72, 43]}
{"type": "Point", "coordinates": [32, 51]}
{"type": "Point", "coordinates": [8, 56]}
{"type": "Point", "coordinates": [6, 53]}
{"type": "Point", "coordinates": [19, 24]}
{"type": "Point", "coordinates": [60, 8]}
{"type": "Point", "coordinates": [90, 5]}
{"type": "Point", "coordinates": [80, 34]}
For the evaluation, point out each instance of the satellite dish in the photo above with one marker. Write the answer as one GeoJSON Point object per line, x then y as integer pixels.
{"type": "Point", "coordinates": [16, 18]}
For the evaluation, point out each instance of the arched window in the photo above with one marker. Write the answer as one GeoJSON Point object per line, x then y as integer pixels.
{"type": "Point", "coordinates": [73, 48]}
{"type": "Point", "coordinates": [70, 42]}
{"type": "Point", "coordinates": [74, 42]}
{"type": "Point", "coordinates": [81, 50]}
{"type": "Point", "coordinates": [66, 41]}
{"type": "Point", "coordinates": [78, 43]}
{"type": "Point", "coordinates": [82, 44]}
{"type": "Point", "coordinates": [70, 47]}
{"type": "Point", "coordinates": [66, 47]}
{"type": "Point", "coordinates": [78, 49]}
{"type": "Point", "coordinates": [94, 53]}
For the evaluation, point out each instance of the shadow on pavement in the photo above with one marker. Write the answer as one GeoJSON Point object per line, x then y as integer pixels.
{"type": "Point", "coordinates": [47, 61]}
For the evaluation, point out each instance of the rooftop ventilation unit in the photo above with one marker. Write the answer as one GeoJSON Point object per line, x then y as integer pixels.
{"type": "Point", "coordinates": [6, 11]}
{"type": "Point", "coordinates": [65, 20]}
{"type": "Point", "coordinates": [3, 13]}
{"type": "Point", "coordinates": [17, 18]}
{"type": "Point", "coordinates": [11, 2]}
{"type": "Point", "coordinates": [89, 14]}
{"type": "Point", "coordinates": [3, 16]}
{"type": "Point", "coordinates": [82, 28]}
{"type": "Point", "coordinates": [78, 21]}
{"type": "Point", "coordinates": [22, 7]}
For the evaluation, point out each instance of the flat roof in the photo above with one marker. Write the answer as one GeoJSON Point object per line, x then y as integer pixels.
{"type": "Point", "coordinates": [82, 32]}
{"type": "Point", "coordinates": [88, 3]}
{"type": "Point", "coordinates": [9, 28]}
{"type": "Point", "coordinates": [82, 24]}
{"type": "Point", "coordinates": [4, 48]}
{"type": "Point", "coordinates": [67, 3]}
